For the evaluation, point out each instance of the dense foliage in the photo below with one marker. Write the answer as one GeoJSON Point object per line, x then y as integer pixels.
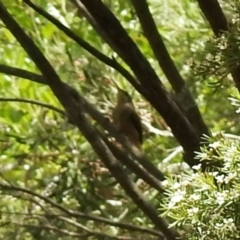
{"type": "Point", "coordinates": [57, 182]}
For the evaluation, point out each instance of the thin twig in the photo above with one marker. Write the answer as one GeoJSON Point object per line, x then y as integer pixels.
{"type": "Point", "coordinates": [77, 214]}
{"type": "Point", "coordinates": [184, 96]}
{"type": "Point", "coordinates": [94, 113]}
{"type": "Point", "coordinates": [45, 105]}
{"type": "Point", "coordinates": [85, 45]}
{"type": "Point", "coordinates": [52, 228]}
{"type": "Point", "coordinates": [153, 89]}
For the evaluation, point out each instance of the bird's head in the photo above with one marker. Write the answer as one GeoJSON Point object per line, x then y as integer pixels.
{"type": "Point", "coordinates": [123, 97]}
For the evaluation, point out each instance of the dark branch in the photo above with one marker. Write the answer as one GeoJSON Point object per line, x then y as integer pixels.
{"type": "Point", "coordinates": [95, 114]}
{"type": "Point", "coordinates": [216, 18]}
{"type": "Point", "coordinates": [38, 103]}
{"type": "Point", "coordinates": [77, 214]}
{"type": "Point", "coordinates": [52, 228]}
{"type": "Point", "coordinates": [76, 115]}
{"type": "Point", "coordinates": [153, 90]}
{"type": "Point", "coordinates": [71, 233]}
{"type": "Point", "coordinates": [169, 68]}
{"type": "Point", "coordinates": [82, 11]}
{"type": "Point", "coordinates": [214, 15]}
{"type": "Point", "coordinates": [139, 171]}
{"type": "Point", "coordinates": [85, 45]}
{"type": "Point", "coordinates": [39, 59]}
{"type": "Point", "coordinates": [91, 232]}
{"type": "Point", "coordinates": [155, 40]}
{"type": "Point", "coordinates": [78, 225]}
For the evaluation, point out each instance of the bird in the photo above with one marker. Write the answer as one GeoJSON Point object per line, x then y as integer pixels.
{"type": "Point", "coordinates": [127, 120]}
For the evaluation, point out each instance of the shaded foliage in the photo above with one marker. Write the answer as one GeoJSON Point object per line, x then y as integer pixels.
{"type": "Point", "coordinates": [58, 60]}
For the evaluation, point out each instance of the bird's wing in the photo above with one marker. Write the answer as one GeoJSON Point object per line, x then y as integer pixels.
{"type": "Point", "coordinates": [137, 123]}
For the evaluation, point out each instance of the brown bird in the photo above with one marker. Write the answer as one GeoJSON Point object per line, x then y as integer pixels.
{"type": "Point", "coordinates": [127, 120]}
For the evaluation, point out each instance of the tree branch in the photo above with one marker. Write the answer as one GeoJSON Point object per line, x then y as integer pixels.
{"type": "Point", "coordinates": [38, 103]}
{"type": "Point", "coordinates": [71, 233]}
{"type": "Point", "coordinates": [214, 15]}
{"type": "Point", "coordinates": [52, 228]}
{"type": "Point", "coordinates": [169, 68]}
{"type": "Point", "coordinates": [85, 45]}
{"type": "Point", "coordinates": [82, 11]}
{"type": "Point", "coordinates": [124, 226]}
{"type": "Point", "coordinates": [218, 22]}
{"type": "Point", "coordinates": [40, 60]}
{"type": "Point", "coordinates": [140, 172]}
{"type": "Point", "coordinates": [92, 232]}
{"type": "Point", "coordinates": [153, 89]}
{"type": "Point", "coordinates": [76, 115]}
{"type": "Point", "coordinates": [75, 214]}
{"type": "Point", "coordinates": [94, 113]}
